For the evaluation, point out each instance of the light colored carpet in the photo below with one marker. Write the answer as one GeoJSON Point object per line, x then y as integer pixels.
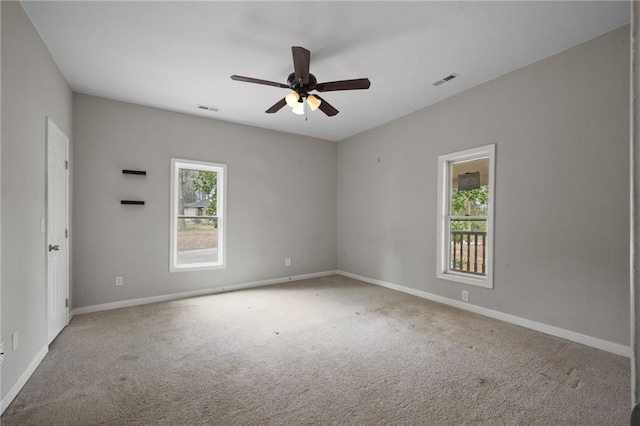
{"type": "Point", "coordinates": [328, 351]}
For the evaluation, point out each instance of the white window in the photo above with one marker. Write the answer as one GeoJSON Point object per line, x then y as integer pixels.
{"type": "Point", "coordinates": [465, 216]}
{"type": "Point", "coordinates": [197, 215]}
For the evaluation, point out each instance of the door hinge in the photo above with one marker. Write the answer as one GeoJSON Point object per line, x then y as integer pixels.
{"type": "Point", "coordinates": [66, 233]}
{"type": "Point", "coordinates": [66, 303]}
{"type": "Point", "coordinates": [66, 164]}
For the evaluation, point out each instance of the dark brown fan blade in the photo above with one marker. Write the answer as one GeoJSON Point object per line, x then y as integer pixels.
{"type": "Point", "coordinates": [258, 81]}
{"type": "Point", "coordinates": [332, 86]}
{"type": "Point", "coordinates": [277, 106]}
{"type": "Point", "coordinates": [301, 63]}
{"type": "Point", "coordinates": [326, 107]}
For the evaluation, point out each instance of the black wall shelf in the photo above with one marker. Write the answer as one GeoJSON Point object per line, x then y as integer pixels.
{"type": "Point", "coordinates": [134, 172]}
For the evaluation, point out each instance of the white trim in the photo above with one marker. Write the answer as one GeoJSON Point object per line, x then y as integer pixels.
{"type": "Point", "coordinates": [195, 293]}
{"type": "Point", "coordinates": [443, 249]}
{"type": "Point", "coordinates": [594, 342]}
{"type": "Point", "coordinates": [221, 193]}
{"type": "Point", "coordinates": [19, 384]}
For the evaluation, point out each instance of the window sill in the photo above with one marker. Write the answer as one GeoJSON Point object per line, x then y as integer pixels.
{"type": "Point", "coordinates": [196, 267]}
{"type": "Point", "coordinates": [485, 282]}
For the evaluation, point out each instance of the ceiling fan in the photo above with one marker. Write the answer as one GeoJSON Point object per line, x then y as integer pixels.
{"type": "Point", "coordinates": [301, 81]}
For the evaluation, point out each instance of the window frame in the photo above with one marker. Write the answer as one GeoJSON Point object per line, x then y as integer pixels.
{"type": "Point", "coordinates": [221, 194]}
{"type": "Point", "coordinates": [444, 228]}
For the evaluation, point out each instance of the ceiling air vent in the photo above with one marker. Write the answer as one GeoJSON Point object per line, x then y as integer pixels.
{"type": "Point", "coordinates": [445, 79]}
{"type": "Point", "coordinates": [208, 108]}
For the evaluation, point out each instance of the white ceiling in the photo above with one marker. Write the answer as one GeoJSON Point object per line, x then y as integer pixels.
{"type": "Point", "coordinates": [177, 55]}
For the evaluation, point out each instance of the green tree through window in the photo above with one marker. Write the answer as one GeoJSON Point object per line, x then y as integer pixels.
{"type": "Point", "coordinates": [207, 183]}
{"type": "Point", "coordinates": [471, 202]}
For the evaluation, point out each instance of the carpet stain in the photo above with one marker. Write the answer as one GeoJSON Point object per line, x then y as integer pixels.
{"type": "Point", "coordinates": [573, 381]}
{"type": "Point", "coordinates": [575, 384]}
{"type": "Point", "coordinates": [130, 357]}
{"type": "Point", "coordinates": [230, 369]}
{"type": "Point", "coordinates": [382, 311]}
{"type": "Point", "coordinates": [568, 376]}
{"type": "Point", "coordinates": [545, 376]}
{"type": "Point", "coordinates": [17, 408]}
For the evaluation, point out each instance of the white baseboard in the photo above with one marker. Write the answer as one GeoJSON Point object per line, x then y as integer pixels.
{"type": "Point", "coordinates": [604, 345]}
{"type": "Point", "coordinates": [195, 293]}
{"type": "Point", "coordinates": [19, 384]}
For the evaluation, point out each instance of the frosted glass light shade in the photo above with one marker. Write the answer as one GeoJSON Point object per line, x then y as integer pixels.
{"type": "Point", "coordinates": [292, 99]}
{"type": "Point", "coordinates": [313, 102]}
{"type": "Point", "coordinates": [298, 108]}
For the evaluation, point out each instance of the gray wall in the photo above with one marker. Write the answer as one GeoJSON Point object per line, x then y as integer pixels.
{"type": "Point", "coordinates": [635, 200]}
{"type": "Point", "coordinates": [561, 127]}
{"type": "Point", "coordinates": [281, 200]}
{"type": "Point", "coordinates": [32, 89]}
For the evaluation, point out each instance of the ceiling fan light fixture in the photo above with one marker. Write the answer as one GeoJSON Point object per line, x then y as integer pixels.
{"type": "Point", "coordinates": [298, 108]}
{"type": "Point", "coordinates": [292, 99]}
{"type": "Point", "coordinates": [313, 102]}
{"type": "Point", "coordinates": [300, 82]}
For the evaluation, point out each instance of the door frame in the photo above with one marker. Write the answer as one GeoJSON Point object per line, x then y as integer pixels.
{"type": "Point", "coordinates": [50, 124]}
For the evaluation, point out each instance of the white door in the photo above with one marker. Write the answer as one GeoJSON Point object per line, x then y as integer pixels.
{"type": "Point", "coordinates": [57, 231]}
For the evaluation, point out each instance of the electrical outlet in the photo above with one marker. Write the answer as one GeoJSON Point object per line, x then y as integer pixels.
{"type": "Point", "coordinates": [14, 340]}
{"type": "Point", "coordinates": [465, 295]}
{"type": "Point", "coordinates": [119, 281]}
{"type": "Point", "coordinates": [287, 261]}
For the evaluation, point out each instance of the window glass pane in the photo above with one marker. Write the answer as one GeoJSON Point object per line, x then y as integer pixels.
{"type": "Point", "coordinates": [469, 197]}
{"type": "Point", "coordinates": [469, 188]}
{"type": "Point", "coordinates": [197, 193]}
{"type": "Point", "coordinates": [197, 240]}
{"type": "Point", "coordinates": [468, 243]}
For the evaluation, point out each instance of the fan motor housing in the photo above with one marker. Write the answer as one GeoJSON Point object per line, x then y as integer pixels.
{"type": "Point", "coordinates": [299, 87]}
